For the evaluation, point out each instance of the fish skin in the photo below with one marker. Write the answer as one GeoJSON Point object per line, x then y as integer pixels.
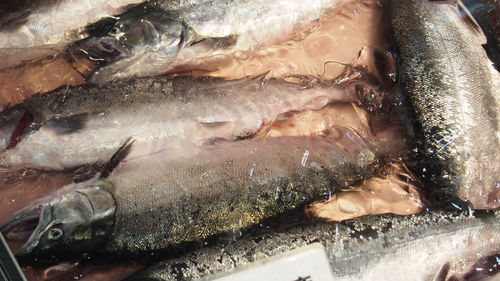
{"type": "Point", "coordinates": [74, 126]}
{"type": "Point", "coordinates": [161, 203]}
{"type": "Point", "coordinates": [242, 26]}
{"type": "Point", "coordinates": [389, 248]}
{"type": "Point", "coordinates": [455, 93]}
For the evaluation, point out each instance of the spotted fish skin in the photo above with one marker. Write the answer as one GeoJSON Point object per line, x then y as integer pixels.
{"type": "Point", "coordinates": [455, 93]}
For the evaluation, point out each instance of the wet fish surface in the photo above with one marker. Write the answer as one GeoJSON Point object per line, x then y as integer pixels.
{"type": "Point", "coordinates": [224, 27]}
{"type": "Point", "coordinates": [454, 90]}
{"type": "Point", "coordinates": [430, 246]}
{"type": "Point", "coordinates": [155, 202]}
{"type": "Point", "coordinates": [84, 125]}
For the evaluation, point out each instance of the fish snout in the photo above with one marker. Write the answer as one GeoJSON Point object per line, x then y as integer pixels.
{"type": "Point", "coordinates": [26, 228]}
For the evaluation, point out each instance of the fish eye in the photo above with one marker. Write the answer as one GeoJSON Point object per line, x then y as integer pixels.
{"type": "Point", "coordinates": [114, 31]}
{"type": "Point", "coordinates": [55, 233]}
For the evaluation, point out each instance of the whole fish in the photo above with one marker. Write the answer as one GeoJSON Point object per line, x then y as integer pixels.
{"type": "Point", "coordinates": [156, 202]}
{"type": "Point", "coordinates": [433, 246]}
{"type": "Point", "coordinates": [455, 92]}
{"type": "Point", "coordinates": [29, 23]}
{"type": "Point", "coordinates": [85, 125]}
{"type": "Point", "coordinates": [223, 27]}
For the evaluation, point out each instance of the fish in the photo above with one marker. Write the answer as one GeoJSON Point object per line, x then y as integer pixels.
{"type": "Point", "coordinates": [75, 126]}
{"type": "Point", "coordinates": [438, 246]}
{"type": "Point", "coordinates": [212, 28]}
{"type": "Point", "coordinates": [36, 23]}
{"type": "Point", "coordinates": [156, 202]}
{"type": "Point", "coordinates": [455, 93]}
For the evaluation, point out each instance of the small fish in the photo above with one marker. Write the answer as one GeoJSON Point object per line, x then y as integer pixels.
{"type": "Point", "coordinates": [157, 202]}
{"type": "Point", "coordinates": [456, 92]}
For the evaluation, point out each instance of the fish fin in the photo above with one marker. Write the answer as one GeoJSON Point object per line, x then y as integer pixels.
{"type": "Point", "coordinates": [213, 43]}
{"type": "Point", "coordinates": [221, 43]}
{"type": "Point", "coordinates": [21, 127]}
{"type": "Point", "coordinates": [68, 125]}
{"type": "Point", "coordinates": [117, 157]}
{"type": "Point", "coordinates": [86, 172]}
{"type": "Point", "coordinates": [263, 77]}
{"type": "Point", "coordinates": [443, 272]}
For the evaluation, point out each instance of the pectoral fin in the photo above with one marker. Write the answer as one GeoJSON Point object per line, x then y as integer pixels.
{"type": "Point", "coordinates": [68, 125]}
{"type": "Point", "coordinates": [119, 155]}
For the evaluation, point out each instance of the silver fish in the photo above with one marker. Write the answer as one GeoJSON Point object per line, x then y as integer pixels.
{"type": "Point", "coordinates": [455, 91]}
{"type": "Point", "coordinates": [85, 125]}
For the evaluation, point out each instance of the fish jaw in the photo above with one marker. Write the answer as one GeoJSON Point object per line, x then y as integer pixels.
{"type": "Point", "coordinates": [77, 221]}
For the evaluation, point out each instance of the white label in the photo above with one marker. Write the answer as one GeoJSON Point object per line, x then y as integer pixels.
{"type": "Point", "coordinates": [308, 263]}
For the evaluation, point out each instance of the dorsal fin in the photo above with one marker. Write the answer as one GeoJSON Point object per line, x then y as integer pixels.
{"type": "Point", "coordinates": [117, 157]}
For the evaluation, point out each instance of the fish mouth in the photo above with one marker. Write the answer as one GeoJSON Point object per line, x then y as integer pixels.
{"type": "Point", "coordinates": [26, 228]}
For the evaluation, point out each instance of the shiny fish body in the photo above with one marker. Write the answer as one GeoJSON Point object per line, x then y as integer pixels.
{"type": "Point", "coordinates": [455, 92]}
{"type": "Point", "coordinates": [85, 125]}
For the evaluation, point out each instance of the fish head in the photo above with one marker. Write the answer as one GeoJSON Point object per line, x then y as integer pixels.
{"type": "Point", "coordinates": [63, 225]}
{"type": "Point", "coordinates": [144, 37]}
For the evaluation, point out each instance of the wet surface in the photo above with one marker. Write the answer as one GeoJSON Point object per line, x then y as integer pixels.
{"type": "Point", "coordinates": [323, 49]}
